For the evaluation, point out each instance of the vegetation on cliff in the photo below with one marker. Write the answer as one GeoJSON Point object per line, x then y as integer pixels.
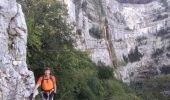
{"type": "Point", "coordinates": [50, 44]}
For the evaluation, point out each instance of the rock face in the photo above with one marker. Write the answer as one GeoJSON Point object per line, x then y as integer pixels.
{"type": "Point", "coordinates": [135, 1]}
{"type": "Point", "coordinates": [16, 81]}
{"type": "Point", "coordinates": [131, 35]}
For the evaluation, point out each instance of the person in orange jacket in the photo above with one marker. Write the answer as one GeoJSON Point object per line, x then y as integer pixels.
{"type": "Point", "coordinates": [47, 82]}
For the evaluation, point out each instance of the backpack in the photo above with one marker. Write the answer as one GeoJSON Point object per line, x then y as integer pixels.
{"type": "Point", "coordinates": [43, 80]}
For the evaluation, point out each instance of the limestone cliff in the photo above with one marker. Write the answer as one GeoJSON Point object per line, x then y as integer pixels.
{"type": "Point", "coordinates": [16, 81]}
{"type": "Point", "coordinates": [131, 35]}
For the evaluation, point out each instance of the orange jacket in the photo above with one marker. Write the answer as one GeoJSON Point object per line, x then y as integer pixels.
{"type": "Point", "coordinates": [47, 84]}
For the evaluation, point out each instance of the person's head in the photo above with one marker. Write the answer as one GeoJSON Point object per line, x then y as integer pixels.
{"type": "Point", "coordinates": [47, 71]}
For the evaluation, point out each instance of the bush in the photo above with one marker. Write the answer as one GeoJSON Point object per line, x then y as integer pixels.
{"type": "Point", "coordinates": [125, 58]}
{"type": "Point", "coordinates": [95, 32]}
{"type": "Point", "coordinates": [141, 38]}
{"type": "Point", "coordinates": [96, 86]}
{"type": "Point", "coordinates": [133, 56]}
{"type": "Point", "coordinates": [168, 48]}
{"type": "Point", "coordinates": [152, 89]}
{"type": "Point", "coordinates": [85, 94]}
{"type": "Point", "coordinates": [105, 72]}
{"type": "Point", "coordinates": [157, 53]}
{"type": "Point", "coordinates": [50, 44]}
{"type": "Point", "coordinates": [162, 32]}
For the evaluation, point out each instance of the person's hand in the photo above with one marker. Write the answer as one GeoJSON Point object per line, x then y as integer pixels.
{"type": "Point", "coordinates": [35, 93]}
{"type": "Point", "coordinates": [55, 91]}
{"type": "Point", "coordinates": [52, 91]}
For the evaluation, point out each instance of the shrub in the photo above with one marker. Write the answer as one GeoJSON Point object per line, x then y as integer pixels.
{"type": "Point", "coordinates": [152, 89]}
{"type": "Point", "coordinates": [168, 48]}
{"type": "Point", "coordinates": [157, 53]}
{"type": "Point", "coordinates": [50, 44]}
{"type": "Point", "coordinates": [128, 29]}
{"type": "Point", "coordinates": [96, 87]}
{"type": "Point", "coordinates": [125, 58]}
{"type": "Point", "coordinates": [95, 32]}
{"type": "Point", "coordinates": [134, 55]}
{"type": "Point", "coordinates": [141, 38]}
{"type": "Point", "coordinates": [79, 31]}
{"type": "Point", "coordinates": [162, 32]}
{"type": "Point", "coordinates": [165, 69]}
{"type": "Point", "coordinates": [105, 72]}
{"type": "Point", "coordinates": [84, 5]}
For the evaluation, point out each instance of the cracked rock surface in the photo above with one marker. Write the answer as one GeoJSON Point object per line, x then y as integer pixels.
{"type": "Point", "coordinates": [16, 81]}
{"type": "Point", "coordinates": [133, 35]}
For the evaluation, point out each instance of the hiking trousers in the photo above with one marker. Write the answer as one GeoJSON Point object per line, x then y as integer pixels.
{"type": "Point", "coordinates": [47, 96]}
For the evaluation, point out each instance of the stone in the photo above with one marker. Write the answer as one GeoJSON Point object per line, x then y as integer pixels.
{"type": "Point", "coordinates": [124, 25]}
{"type": "Point", "coordinates": [16, 81]}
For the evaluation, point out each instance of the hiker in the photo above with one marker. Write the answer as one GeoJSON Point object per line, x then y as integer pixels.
{"type": "Point", "coordinates": [48, 86]}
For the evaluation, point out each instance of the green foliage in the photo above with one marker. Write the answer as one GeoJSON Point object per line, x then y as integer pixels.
{"type": "Point", "coordinates": [134, 55]}
{"type": "Point", "coordinates": [153, 89]}
{"type": "Point", "coordinates": [50, 44]}
{"type": "Point", "coordinates": [116, 91]}
{"type": "Point", "coordinates": [46, 28]}
{"type": "Point", "coordinates": [95, 32]}
{"type": "Point", "coordinates": [104, 72]}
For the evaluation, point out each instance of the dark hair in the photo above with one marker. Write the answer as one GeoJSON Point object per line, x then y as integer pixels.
{"type": "Point", "coordinates": [46, 68]}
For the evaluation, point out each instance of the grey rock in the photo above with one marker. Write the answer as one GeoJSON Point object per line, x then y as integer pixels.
{"type": "Point", "coordinates": [122, 26]}
{"type": "Point", "coordinates": [16, 81]}
{"type": "Point", "coordinates": [165, 93]}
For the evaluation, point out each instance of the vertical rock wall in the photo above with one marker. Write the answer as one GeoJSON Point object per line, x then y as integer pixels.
{"type": "Point", "coordinates": [16, 81]}
{"type": "Point", "coordinates": [132, 35]}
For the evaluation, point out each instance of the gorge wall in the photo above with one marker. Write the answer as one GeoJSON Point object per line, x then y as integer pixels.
{"type": "Point", "coordinates": [131, 35]}
{"type": "Point", "coordinates": [16, 81]}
